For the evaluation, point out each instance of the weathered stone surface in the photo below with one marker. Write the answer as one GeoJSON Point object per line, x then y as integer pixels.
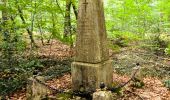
{"type": "Point", "coordinates": [35, 90]}
{"type": "Point", "coordinates": [89, 76]}
{"type": "Point", "coordinates": [92, 65]}
{"type": "Point", "coordinates": [102, 95]}
{"type": "Point", "coordinates": [78, 98]}
{"type": "Point", "coordinates": [91, 44]}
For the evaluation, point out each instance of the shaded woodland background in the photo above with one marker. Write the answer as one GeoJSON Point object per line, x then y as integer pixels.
{"type": "Point", "coordinates": [38, 37]}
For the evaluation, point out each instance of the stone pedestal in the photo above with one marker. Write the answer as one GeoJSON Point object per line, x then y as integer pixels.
{"type": "Point", "coordinates": [103, 95]}
{"type": "Point", "coordinates": [89, 76]}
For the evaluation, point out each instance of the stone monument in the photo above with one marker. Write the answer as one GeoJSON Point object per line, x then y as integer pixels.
{"type": "Point", "coordinates": [92, 65]}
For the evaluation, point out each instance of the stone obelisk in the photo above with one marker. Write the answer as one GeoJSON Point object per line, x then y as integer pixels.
{"type": "Point", "coordinates": [92, 65]}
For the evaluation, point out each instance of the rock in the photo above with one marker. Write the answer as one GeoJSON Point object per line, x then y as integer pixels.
{"type": "Point", "coordinates": [103, 95]}
{"type": "Point", "coordinates": [78, 98]}
{"type": "Point", "coordinates": [35, 90]}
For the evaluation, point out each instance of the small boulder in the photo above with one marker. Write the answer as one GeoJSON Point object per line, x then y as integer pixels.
{"type": "Point", "coordinates": [102, 95]}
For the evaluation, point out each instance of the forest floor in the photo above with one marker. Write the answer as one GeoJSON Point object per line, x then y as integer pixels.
{"type": "Point", "coordinates": [154, 69]}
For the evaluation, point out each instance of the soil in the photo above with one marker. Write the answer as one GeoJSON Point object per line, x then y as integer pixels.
{"type": "Point", "coordinates": [154, 70]}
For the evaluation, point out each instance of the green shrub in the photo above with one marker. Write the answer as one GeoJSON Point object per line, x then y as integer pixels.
{"type": "Point", "coordinates": [15, 68]}
{"type": "Point", "coordinates": [15, 77]}
{"type": "Point", "coordinates": [167, 50]}
{"type": "Point", "coordinates": [126, 35]}
{"type": "Point", "coordinates": [167, 84]}
{"type": "Point", "coordinates": [121, 39]}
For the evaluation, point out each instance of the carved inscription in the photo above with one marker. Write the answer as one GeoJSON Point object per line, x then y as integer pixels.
{"type": "Point", "coordinates": [85, 4]}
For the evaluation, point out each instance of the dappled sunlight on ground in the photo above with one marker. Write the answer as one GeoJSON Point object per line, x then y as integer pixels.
{"type": "Point", "coordinates": [124, 60]}
{"type": "Point", "coordinates": [153, 89]}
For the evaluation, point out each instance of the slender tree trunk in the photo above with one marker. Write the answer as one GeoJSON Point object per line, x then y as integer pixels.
{"type": "Point", "coordinates": [5, 18]}
{"type": "Point", "coordinates": [33, 44]}
{"type": "Point", "coordinates": [33, 13]}
{"type": "Point", "coordinates": [67, 23]}
{"type": "Point", "coordinates": [6, 33]}
{"type": "Point", "coordinates": [53, 28]}
{"type": "Point", "coordinates": [40, 29]}
{"type": "Point", "coordinates": [74, 8]}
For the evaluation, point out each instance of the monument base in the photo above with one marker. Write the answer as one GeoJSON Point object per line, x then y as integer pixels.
{"type": "Point", "coordinates": [87, 77]}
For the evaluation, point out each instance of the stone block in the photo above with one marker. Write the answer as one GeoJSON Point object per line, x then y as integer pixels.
{"type": "Point", "coordinates": [35, 90]}
{"type": "Point", "coordinates": [87, 77]}
{"type": "Point", "coordinates": [102, 95]}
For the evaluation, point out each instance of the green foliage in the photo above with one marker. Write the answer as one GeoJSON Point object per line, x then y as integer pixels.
{"type": "Point", "coordinates": [34, 64]}
{"type": "Point", "coordinates": [141, 17]}
{"type": "Point", "coordinates": [15, 77]}
{"type": "Point", "coordinates": [63, 96]}
{"type": "Point", "coordinates": [122, 39]}
{"type": "Point", "coordinates": [119, 91]}
{"type": "Point", "coordinates": [127, 21]}
{"type": "Point", "coordinates": [69, 40]}
{"type": "Point", "coordinates": [137, 83]}
{"type": "Point", "coordinates": [129, 15]}
{"type": "Point", "coordinates": [167, 84]}
{"type": "Point", "coordinates": [45, 19]}
{"type": "Point", "coordinates": [10, 83]}
{"type": "Point", "coordinates": [114, 47]}
{"type": "Point", "coordinates": [129, 36]}
{"type": "Point", "coordinates": [158, 43]}
{"type": "Point", "coordinates": [57, 68]}
{"type": "Point", "coordinates": [167, 50]}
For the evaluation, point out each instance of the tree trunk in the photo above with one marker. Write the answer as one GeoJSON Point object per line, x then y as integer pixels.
{"type": "Point", "coordinates": [74, 8]}
{"type": "Point", "coordinates": [41, 32]}
{"type": "Point", "coordinates": [6, 34]}
{"type": "Point", "coordinates": [28, 29]}
{"type": "Point", "coordinates": [53, 28]}
{"type": "Point", "coordinates": [67, 23]}
{"type": "Point", "coordinates": [5, 19]}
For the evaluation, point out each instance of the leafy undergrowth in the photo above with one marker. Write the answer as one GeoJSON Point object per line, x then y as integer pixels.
{"type": "Point", "coordinates": [55, 50]}
{"type": "Point", "coordinates": [151, 64]}
{"type": "Point", "coordinates": [154, 69]}
{"type": "Point", "coordinates": [63, 82]}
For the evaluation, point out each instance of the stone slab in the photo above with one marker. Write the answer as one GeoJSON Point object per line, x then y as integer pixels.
{"type": "Point", "coordinates": [89, 76]}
